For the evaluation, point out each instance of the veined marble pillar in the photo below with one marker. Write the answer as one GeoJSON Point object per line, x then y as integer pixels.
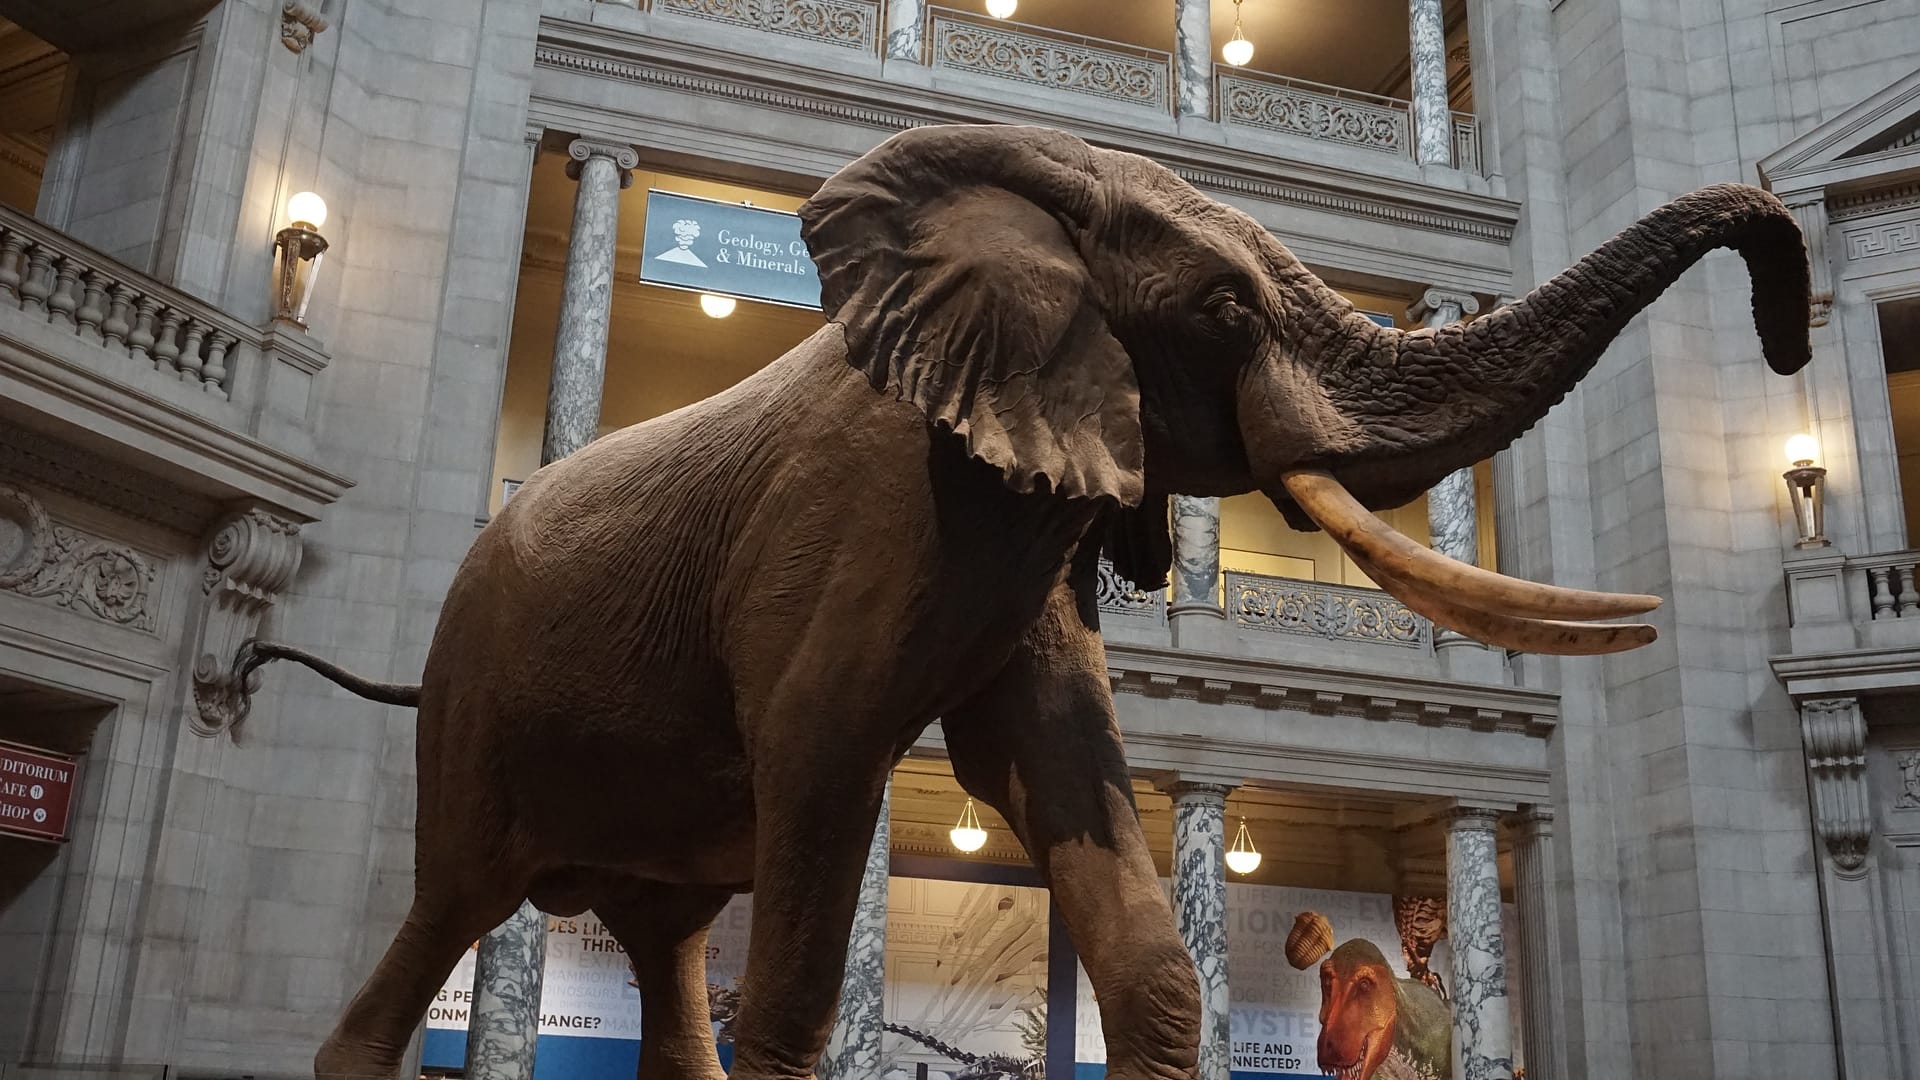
{"type": "Point", "coordinates": [1482, 1032]}
{"type": "Point", "coordinates": [906, 30]}
{"type": "Point", "coordinates": [505, 1019]}
{"type": "Point", "coordinates": [1193, 58]}
{"type": "Point", "coordinates": [1196, 556]}
{"type": "Point", "coordinates": [1453, 512]}
{"type": "Point", "coordinates": [1432, 118]}
{"type": "Point", "coordinates": [1200, 906]}
{"type": "Point", "coordinates": [853, 1046]}
{"type": "Point", "coordinates": [586, 296]}
{"type": "Point", "coordinates": [1539, 945]}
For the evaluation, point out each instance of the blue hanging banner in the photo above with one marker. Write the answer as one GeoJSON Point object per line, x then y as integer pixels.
{"type": "Point", "coordinates": [729, 249]}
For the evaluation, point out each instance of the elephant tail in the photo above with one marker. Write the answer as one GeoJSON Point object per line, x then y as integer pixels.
{"type": "Point", "coordinates": [256, 654]}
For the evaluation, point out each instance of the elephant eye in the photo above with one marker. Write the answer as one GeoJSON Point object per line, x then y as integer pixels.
{"type": "Point", "coordinates": [1227, 315]}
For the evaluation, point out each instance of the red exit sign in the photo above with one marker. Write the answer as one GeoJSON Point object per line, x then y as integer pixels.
{"type": "Point", "coordinates": [36, 790]}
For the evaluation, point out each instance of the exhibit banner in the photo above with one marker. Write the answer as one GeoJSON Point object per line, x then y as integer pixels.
{"type": "Point", "coordinates": [36, 792]}
{"type": "Point", "coordinates": [1386, 964]}
{"type": "Point", "coordinates": [966, 980]}
{"type": "Point", "coordinates": [731, 249]}
{"type": "Point", "coordinates": [590, 1003]}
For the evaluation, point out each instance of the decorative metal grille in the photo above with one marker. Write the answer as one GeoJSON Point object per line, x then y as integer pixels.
{"type": "Point", "coordinates": [1083, 65]}
{"type": "Point", "coordinates": [850, 24]}
{"type": "Point", "coordinates": [1119, 596]}
{"type": "Point", "coordinates": [1332, 612]}
{"type": "Point", "coordinates": [1311, 111]}
{"type": "Point", "coordinates": [1466, 142]}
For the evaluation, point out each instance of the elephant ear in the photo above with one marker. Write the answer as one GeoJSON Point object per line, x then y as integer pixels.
{"type": "Point", "coordinates": [948, 257]}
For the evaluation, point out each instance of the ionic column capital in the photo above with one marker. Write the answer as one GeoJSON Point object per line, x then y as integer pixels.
{"type": "Point", "coordinates": [1463, 819]}
{"type": "Point", "coordinates": [1189, 790]}
{"type": "Point", "coordinates": [1531, 822]}
{"type": "Point", "coordinates": [1451, 305]}
{"type": "Point", "coordinates": [588, 147]}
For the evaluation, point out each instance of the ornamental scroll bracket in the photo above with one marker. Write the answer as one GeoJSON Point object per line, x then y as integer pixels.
{"type": "Point", "coordinates": [1833, 733]}
{"type": "Point", "coordinates": [250, 558]}
{"type": "Point", "coordinates": [1810, 213]}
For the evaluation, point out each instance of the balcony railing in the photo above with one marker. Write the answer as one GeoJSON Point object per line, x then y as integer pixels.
{"type": "Point", "coordinates": [850, 24]}
{"type": "Point", "coordinates": [1892, 584]}
{"type": "Point", "coordinates": [1316, 609]}
{"type": "Point", "coordinates": [1315, 111]}
{"type": "Point", "coordinates": [156, 329]}
{"type": "Point", "coordinates": [1118, 596]}
{"type": "Point", "coordinates": [1466, 142]}
{"type": "Point", "coordinates": [1113, 70]}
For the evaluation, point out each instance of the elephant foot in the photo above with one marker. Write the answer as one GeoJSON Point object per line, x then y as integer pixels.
{"type": "Point", "coordinates": [337, 1060]}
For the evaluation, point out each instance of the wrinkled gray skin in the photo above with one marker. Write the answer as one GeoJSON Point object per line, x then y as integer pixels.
{"type": "Point", "coordinates": [682, 662]}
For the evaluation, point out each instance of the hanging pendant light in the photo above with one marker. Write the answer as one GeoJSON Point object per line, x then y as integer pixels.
{"type": "Point", "coordinates": [1238, 50]}
{"type": "Point", "coordinates": [1002, 9]}
{"type": "Point", "coordinates": [1241, 857]}
{"type": "Point", "coordinates": [968, 836]}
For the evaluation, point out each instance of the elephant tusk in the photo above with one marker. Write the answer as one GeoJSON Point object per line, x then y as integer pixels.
{"type": "Point", "coordinates": [1461, 586]}
{"type": "Point", "coordinates": [1545, 636]}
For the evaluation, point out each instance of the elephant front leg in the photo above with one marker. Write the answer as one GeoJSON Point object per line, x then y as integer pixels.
{"type": "Point", "coordinates": [1041, 746]}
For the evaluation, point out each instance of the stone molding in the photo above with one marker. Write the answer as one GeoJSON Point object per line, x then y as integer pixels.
{"type": "Point", "coordinates": [1833, 733]}
{"type": "Point", "coordinates": [1877, 201]}
{"type": "Point", "coordinates": [624, 157]}
{"type": "Point", "coordinates": [608, 53]}
{"type": "Point", "coordinates": [61, 466]}
{"type": "Point", "coordinates": [1885, 238]}
{"type": "Point", "coordinates": [250, 558]}
{"type": "Point", "coordinates": [1183, 674]}
{"type": "Point", "coordinates": [73, 568]}
{"type": "Point", "coordinates": [298, 25]}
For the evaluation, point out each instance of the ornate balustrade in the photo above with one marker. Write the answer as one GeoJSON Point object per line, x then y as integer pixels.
{"type": "Point", "coordinates": [1891, 584]}
{"type": "Point", "coordinates": [1466, 142]}
{"type": "Point", "coordinates": [1118, 596]}
{"type": "Point", "coordinates": [1316, 609]}
{"type": "Point", "coordinates": [1314, 111]}
{"type": "Point", "coordinates": [154, 373]}
{"type": "Point", "coordinates": [155, 328]}
{"type": "Point", "coordinates": [849, 24]}
{"type": "Point", "coordinates": [1113, 70]}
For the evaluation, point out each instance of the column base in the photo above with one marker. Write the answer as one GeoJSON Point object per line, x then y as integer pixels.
{"type": "Point", "coordinates": [1467, 660]}
{"type": "Point", "coordinates": [1199, 626]}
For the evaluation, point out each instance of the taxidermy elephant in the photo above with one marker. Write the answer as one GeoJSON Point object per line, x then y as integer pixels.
{"type": "Point", "coordinates": [682, 662]}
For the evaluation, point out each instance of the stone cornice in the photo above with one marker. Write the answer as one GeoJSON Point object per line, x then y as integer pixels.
{"type": "Point", "coordinates": [1178, 673]}
{"type": "Point", "coordinates": [609, 53]}
{"type": "Point", "coordinates": [1853, 671]}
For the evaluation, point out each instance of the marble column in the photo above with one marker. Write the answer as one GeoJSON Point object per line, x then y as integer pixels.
{"type": "Point", "coordinates": [1453, 512]}
{"type": "Point", "coordinates": [1196, 556]}
{"type": "Point", "coordinates": [1200, 906]}
{"type": "Point", "coordinates": [906, 30]}
{"type": "Point", "coordinates": [1538, 944]}
{"type": "Point", "coordinates": [1482, 1026]}
{"type": "Point", "coordinates": [1193, 58]}
{"type": "Point", "coordinates": [505, 1019]}
{"type": "Point", "coordinates": [853, 1045]}
{"type": "Point", "coordinates": [586, 296]}
{"type": "Point", "coordinates": [1432, 117]}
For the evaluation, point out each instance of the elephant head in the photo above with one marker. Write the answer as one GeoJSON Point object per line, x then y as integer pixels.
{"type": "Point", "coordinates": [1094, 327]}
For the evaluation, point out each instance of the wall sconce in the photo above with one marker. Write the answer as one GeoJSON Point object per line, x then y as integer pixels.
{"type": "Point", "coordinates": [299, 247]}
{"type": "Point", "coordinates": [1238, 51]}
{"type": "Point", "coordinates": [1807, 484]}
{"type": "Point", "coordinates": [716, 307]}
{"type": "Point", "coordinates": [968, 836]}
{"type": "Point", "coordinates": [1241, 857]}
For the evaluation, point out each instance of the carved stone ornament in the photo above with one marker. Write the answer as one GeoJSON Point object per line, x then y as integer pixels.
{"type": "Point", "coordinates": [73, 569]}
{"type": "Point", "coordinates": [298, 25]}
{"type": "Point", "coordinates": [1834, 735]}
{"type": "Point", "coordinates": [250, 558]}
{"type": "Point", "coordinates": [1909, 798]}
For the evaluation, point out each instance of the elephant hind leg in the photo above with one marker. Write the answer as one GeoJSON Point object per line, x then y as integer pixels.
{"type": "Point", "coordinates": [372, 1036]}
{"type": "Point", "coordinates": [664, 930]}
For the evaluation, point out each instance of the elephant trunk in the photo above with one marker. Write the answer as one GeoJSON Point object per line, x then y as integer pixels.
{"type": "Point", "coordinates": [1427, 402]}
{"type": "Point", "coordinates": [1392, 412]}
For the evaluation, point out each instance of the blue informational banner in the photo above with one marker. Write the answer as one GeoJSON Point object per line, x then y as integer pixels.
{"type": "Point", "coordinates": [729, 249]}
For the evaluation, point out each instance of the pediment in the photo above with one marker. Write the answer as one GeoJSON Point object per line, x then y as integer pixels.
{"type": "Point", "coordinates": [1874, 142]}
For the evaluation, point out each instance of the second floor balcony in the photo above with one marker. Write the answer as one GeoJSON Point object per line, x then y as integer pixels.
{"type": "Point", "coordinates": [97, 353]}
